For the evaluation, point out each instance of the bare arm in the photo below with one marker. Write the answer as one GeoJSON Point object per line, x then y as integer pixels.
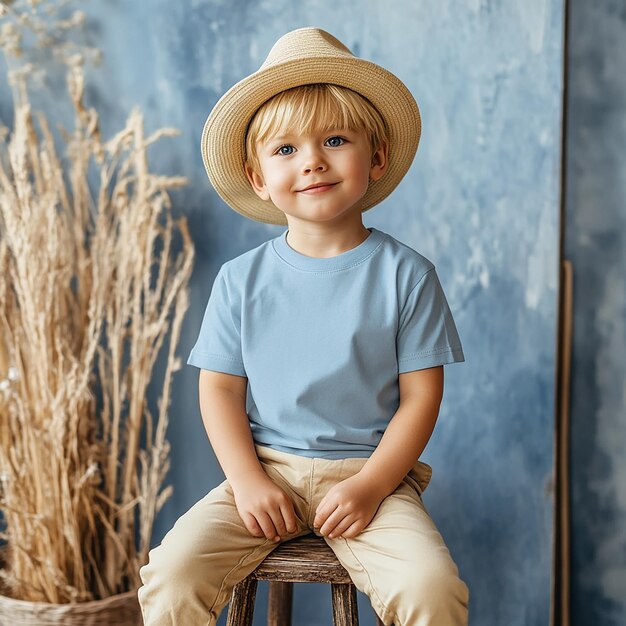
{"type": "Point", "coordinates": [263, 506]}
{"type": "Point", "coordinates": [409, 430]}
{"type": "Point", "coordinates": [223, 409]}
{"type": "Point", "coordinates": [349, 506]}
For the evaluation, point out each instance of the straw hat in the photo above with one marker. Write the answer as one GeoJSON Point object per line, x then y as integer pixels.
{"type": "Point", "coordinates": [301, 57]}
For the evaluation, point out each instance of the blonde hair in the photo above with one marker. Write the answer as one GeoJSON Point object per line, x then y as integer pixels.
{"type": "Point", "coordinates": [314, 108]}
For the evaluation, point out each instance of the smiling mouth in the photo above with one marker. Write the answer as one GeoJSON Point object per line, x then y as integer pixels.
{"type": "Point", "coordinates": [318, 188]}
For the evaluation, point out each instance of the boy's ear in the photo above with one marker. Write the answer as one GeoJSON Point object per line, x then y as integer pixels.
{"type": "Point", "coordinates": [379, 162]}
{"type": "Point", "coordinates": [257, 182]}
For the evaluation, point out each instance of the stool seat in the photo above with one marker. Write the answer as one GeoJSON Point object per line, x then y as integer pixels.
{"type": "Point", "coordinates": [305, 559]}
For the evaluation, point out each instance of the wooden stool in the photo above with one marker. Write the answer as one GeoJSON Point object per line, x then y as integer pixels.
{"type": "Point", "coordinates": [306, 559]}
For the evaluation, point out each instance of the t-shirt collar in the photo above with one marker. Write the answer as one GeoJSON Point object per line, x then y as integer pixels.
{"type": "Point", "coordinates": [341, 261]}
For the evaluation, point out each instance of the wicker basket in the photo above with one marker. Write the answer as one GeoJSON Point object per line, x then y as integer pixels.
{"type": "Point", "coordinates": [119, 610]}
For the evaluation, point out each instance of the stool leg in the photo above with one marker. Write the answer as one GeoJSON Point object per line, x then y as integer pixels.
{"type": "Point", "coordinates": [345, 609]}
{"type": "Point", "coordinates": [279, 603]}
{"type": "Point", "coordinates": [241, 609]}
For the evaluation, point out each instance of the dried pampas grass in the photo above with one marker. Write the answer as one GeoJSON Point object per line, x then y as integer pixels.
{"type": "Point", "coordinates": [89, 291]}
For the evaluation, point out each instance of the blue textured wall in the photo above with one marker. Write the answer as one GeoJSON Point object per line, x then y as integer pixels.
{"type": "Point", "coordinates": [481, 201]}
{"type": "Point", "coordinates": [596, 243]}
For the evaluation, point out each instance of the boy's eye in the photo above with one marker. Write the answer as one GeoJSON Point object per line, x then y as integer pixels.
{"type": "Point", "coordinates": [285, 150]}
{"type": "Point", "coordinates": [335, 142]}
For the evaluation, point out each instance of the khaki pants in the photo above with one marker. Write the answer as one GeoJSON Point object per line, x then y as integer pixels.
{"type": "Point", "coordinates": [400, 560]}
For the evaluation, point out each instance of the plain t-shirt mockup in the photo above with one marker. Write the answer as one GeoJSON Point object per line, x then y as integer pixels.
{"type": "Point", "coordinates": [323, 340]}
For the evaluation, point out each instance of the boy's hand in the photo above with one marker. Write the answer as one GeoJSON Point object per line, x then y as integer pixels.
{"type": "Point", "coordinates": [264, 507]}
{"type": "Point", "coordinates": [348, 507]}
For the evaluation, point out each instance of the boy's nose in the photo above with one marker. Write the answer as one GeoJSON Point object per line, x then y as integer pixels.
{"type": "Point", "coordinates": [316, 165]}
{"type": "Point", "coordinates": [313, 161]}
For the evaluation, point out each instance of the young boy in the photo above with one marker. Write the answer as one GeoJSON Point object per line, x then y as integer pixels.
{"type": "Point", "coordinates": [321, 351]}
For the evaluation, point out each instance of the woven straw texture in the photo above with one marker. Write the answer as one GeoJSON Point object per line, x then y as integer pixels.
{"type": "Point", "coordinates": [305, 56]}
{"type": "Point", "coordinates": [121, 610]}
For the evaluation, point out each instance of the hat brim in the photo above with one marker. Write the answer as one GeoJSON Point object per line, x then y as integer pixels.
{"type": "Point", "coordinates": [223, 135]}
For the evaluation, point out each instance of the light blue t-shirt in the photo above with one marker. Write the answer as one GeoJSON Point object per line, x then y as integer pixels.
{"type": "Point", "coordinates": [322, 340]}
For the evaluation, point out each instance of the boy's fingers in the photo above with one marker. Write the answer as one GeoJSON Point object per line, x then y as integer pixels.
{"type": "Point", "coordinates": [333, 519]}
{"type": "Point", "coordinates": [322, 514]}
{"type": "Point", "coordinates": [252, 525]}
{"type": "Point", "coordinates": [266, 523]}
{"type": "Point", "coordinates": [342, 526]}
{"type": "Point", "coordinates": [279, 523]}
{"type": "Point", "coordinates": [352, 531]}
{"type": "Point", "coordinates": [289, 515]}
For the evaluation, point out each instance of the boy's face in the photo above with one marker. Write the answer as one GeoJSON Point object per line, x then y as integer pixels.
{"type": "Point", "coordinates": [339, 160]}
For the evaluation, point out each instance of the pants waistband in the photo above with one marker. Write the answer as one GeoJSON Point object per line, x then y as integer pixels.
{"type": "Point", "coordinates": [420, 474]}
{"type": "Point", "coordinates": [301, 461]}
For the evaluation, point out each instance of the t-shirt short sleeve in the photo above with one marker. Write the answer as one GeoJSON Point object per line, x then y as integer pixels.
{"type": "Point", "coordinates": [218, 347]}
{"type": "Point", "coordinates": [427, 335]}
